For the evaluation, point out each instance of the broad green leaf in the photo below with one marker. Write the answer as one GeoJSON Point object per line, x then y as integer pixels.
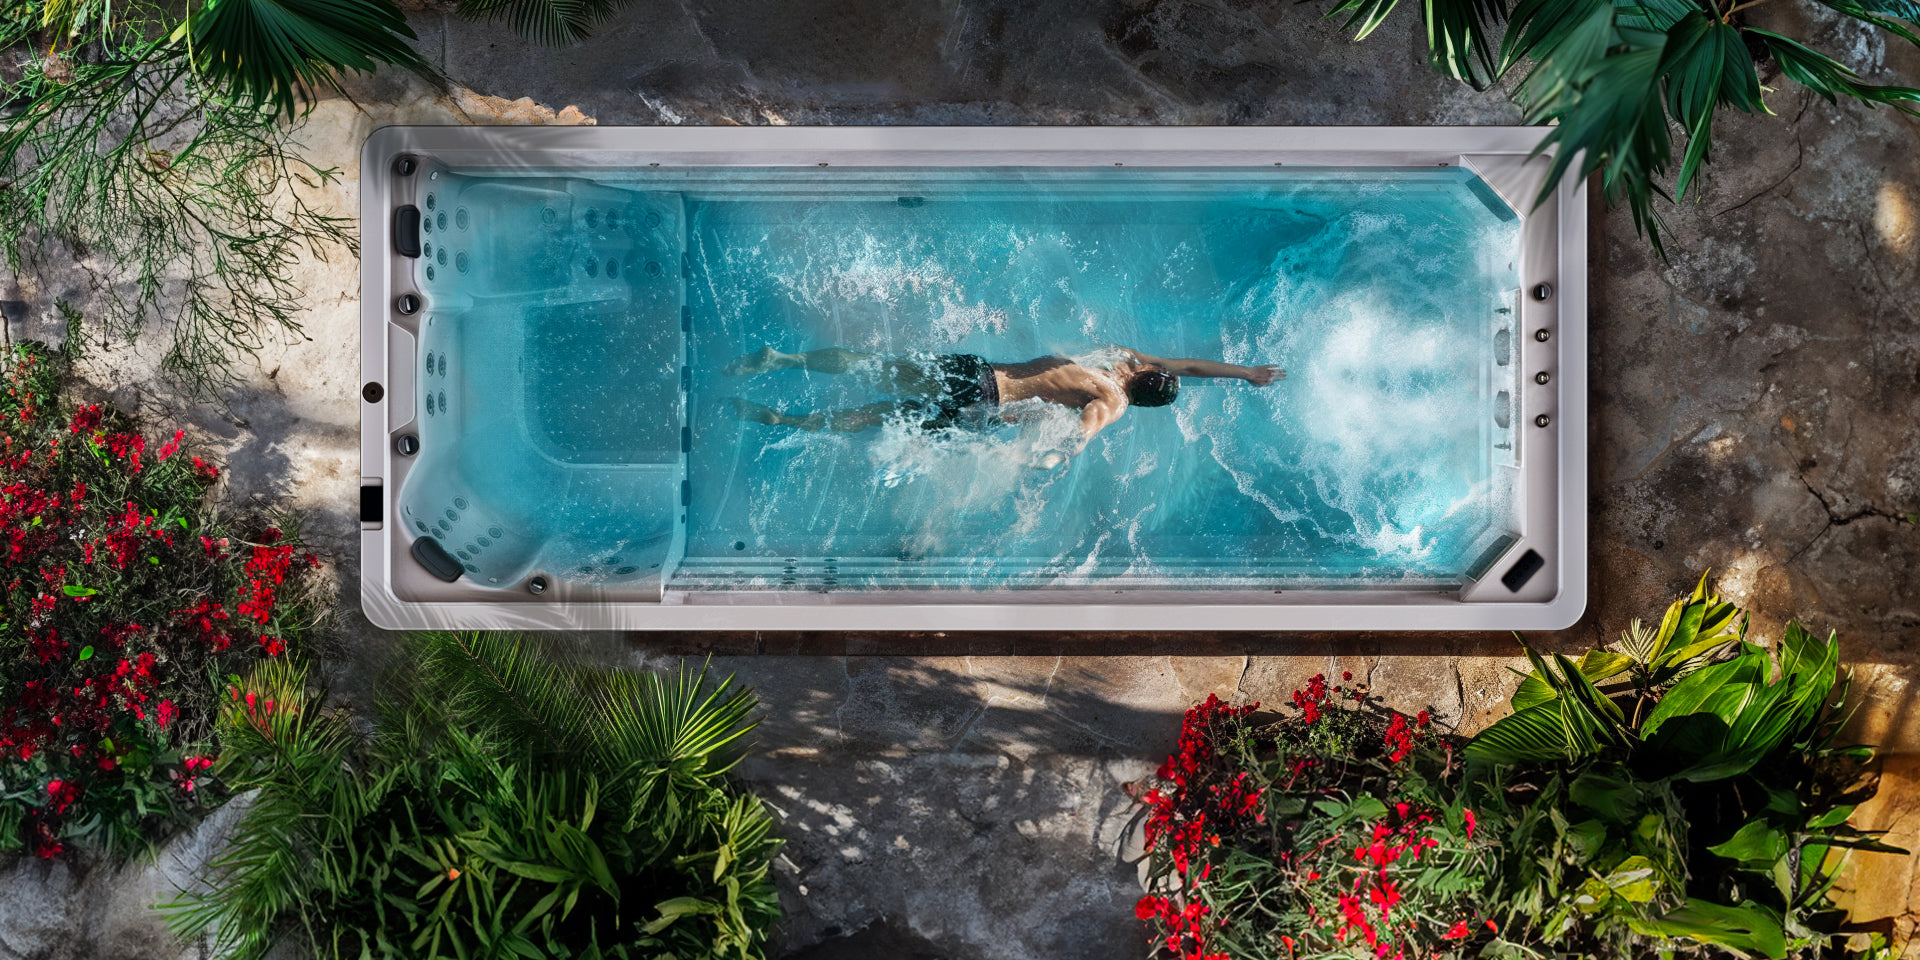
{"type": "Point", "coordinates": [1613, 798]}
{"type": "Point", "coordinates": [1598, 666]}
{"type": "Point", "coordinates": [1831, 818]}
{"type": "Point", "coordinates": [1749, 927]}
{"type": "Point", "coordinates": [1537, 734]}
{"type": "Point", "coordinates": [1707, 690]}
{"type": "Point", "coordinates": [674, 909]}
{"type": "Point", "coordinates": [1604, 715]}
{"type": "Point", "coordinates": [1633, 880]}
{"type": "Point", "coordinates": [74, 591]}
{"type": "Point", "coordinates": [1689, 613]}
{"type": "Point", "coordinates": [86, 653]}
{"type": "Point", "coordinates": [1587, 838]}
{"type": "Point", "coordinates": [1368, 808]}
{"type": "Point", "coordinates": [1531, 692]}
{"type": "Point", "coordinates": [1755, 842]}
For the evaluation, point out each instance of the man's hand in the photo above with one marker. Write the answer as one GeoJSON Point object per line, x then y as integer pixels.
{"type": "Point", "coordinates": [1261, 376]}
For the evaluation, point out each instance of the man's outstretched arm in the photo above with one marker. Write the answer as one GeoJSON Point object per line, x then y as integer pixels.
{"type": "Point", "coordinates": [1258, 376]}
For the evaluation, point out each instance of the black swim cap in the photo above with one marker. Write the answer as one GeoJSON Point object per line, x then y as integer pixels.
{"type": "Point", "coordinates": [1152, 387]}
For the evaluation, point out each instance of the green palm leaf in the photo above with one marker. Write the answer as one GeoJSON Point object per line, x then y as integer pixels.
{"type": "Point", "coordinates": [260, 50]}
{"type": "Point", "coordinates": [1459, 38]}
{"type": "Point", "coordinates": [510, 685]}
{"type": "Point", "coordinates": [1829, 77]}
{"type": "Point", "coordinates": [555, 23]}
{"type": "Point", "coordinates": [1885, 14]}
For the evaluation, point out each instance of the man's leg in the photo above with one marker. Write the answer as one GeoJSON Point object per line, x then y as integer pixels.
{"type": "Point", "coordinates": [903, 378]}
{"type": "Point", "coordinates": [767, 360]}
{"type": "Point", "coordinates": [837, 421]}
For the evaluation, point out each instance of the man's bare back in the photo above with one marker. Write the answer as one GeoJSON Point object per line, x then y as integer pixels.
{"type": "Point", "coordinates": [1102, 394]}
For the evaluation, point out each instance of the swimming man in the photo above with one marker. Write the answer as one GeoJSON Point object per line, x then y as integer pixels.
{"type": "Point", "coordinates": [946, 387]}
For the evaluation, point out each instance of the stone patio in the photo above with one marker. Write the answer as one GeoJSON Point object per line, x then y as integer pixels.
{"type": "Point", "coordinates": [1756, 412]}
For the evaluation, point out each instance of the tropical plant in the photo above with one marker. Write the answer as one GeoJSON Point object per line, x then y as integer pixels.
{"type": "Point", "coordinates": [553, 22]}
{"type": "Point", "coordinates": [511, 801]}
{"type": "Point", "coordinates": [155, 145]}
{"type": "Point", "coordinates": [1684, 787]}
{"type": "Point", "coordinates": [1335, 832]}
{"type": "Point", "coordinates": [123, 593]}
{"type": "Point", "coordinates": [1617, 77]}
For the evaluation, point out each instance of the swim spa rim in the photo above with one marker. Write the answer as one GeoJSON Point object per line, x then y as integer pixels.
{"type": "Point", "coordinates": [1551, 540]}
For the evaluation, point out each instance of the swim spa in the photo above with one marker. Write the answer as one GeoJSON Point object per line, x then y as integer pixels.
{"type": "Point", "coordinates": [551, 439]}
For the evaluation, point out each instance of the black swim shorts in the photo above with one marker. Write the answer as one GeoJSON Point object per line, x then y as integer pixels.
{"type": "Point", "coordinates": [963, 381]}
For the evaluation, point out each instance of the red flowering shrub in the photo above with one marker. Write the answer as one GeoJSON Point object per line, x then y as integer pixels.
{"type": "Point", "coordinates": [124, 597]}
{"type": "Point", "coordinates": [1326, 833]}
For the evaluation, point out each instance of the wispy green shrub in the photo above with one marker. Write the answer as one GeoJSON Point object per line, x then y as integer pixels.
{"type": "Point", "coordinates": [509, 802]}
{"type": "Point", "coordinates": [156, 146]}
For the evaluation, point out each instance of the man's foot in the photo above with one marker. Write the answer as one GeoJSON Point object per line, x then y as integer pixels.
{"type": "Point", "coordinates": [766, 360]}
{"type": "Point", "coordinates": [756, 413]}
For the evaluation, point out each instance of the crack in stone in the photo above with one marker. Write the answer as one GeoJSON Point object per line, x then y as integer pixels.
{"type": "Point", "coordinates": [1798, 159]}
{"type": "Point", "coordinates": [1837, 519]}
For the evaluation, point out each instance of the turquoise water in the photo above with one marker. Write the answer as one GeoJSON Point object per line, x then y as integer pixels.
{"type": "Point", "coordinates": [568, 309]}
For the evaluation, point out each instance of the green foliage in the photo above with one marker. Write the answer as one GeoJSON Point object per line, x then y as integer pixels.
{"type": "Point", "coordinates": [257, 51]}
{"type": "Point", "coordinates": [154, 145]}
{"type": "Point", "coordinates": [123, 591]}
{"type": "Point", "coordinates": [555, 23]}
{"type": "Point", "coordinates": [510, 802]}
{"type": "Point", "coordinates": [1615, 78]}
{"type": "Point", "coordinates": [1685, 787]}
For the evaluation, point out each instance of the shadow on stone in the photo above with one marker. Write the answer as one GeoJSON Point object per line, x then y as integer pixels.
{"type": "Point", "coordinates": [880, 940]}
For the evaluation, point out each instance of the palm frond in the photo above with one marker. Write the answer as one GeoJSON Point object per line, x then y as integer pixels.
{"type": "Point", "coordinates": [519, 687]}
{"type": "Point", "coordinates": [259, 51]}
{"type": "Point", "coordinates": [1460, 41]}
{"type": "Point", "coordinates": [1885, 14]}
{"type": "Point", "coordinates": [1829, 77]}
{"type": "Point", "coordinates": [555, 23]}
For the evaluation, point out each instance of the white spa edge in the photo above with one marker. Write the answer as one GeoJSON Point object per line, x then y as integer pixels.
{"type": "Point", "coordinates": [397, 594]}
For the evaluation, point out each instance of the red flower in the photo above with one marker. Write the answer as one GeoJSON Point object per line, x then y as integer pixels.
{"type": "Point", "coordinates": [61, 795]}
{"type": "Point", "coordinates": [164, 713]}
{"type": "Point", "coordinates": [1471, 822]}
{"type": "Point", "coordinates": [85, 420]}
{"type": "Point", "coordinates": [1458, 931]}
{"type": "Point", "coordinates": [171, 447]}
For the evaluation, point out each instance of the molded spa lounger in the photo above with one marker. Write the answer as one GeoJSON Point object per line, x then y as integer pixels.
{"type": "Point", "coordinates": [546, 432]}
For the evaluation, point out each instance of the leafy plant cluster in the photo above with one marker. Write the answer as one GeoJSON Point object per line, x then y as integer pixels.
{"type": "Point", "coordinates": [1626, 81]}
{"type": "Point", "coordinates": [148, 135]}
{"type": "Point", "coordinates": [123, 594]}
{"type": "Point", "coordinates": [509, 801]}
{"type": "Point", "coordinates": [1681, 794]}
{"type": "Point", "coordinates": [1686, 785]}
